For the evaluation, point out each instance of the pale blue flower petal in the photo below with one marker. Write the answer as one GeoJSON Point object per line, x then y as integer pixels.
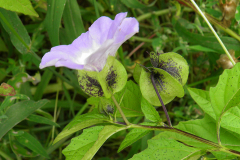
{"type": "Point", "coordinates": [91, 49]}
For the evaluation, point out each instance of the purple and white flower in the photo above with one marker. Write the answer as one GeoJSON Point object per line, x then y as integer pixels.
{"type": "Point", "coordinates": [91, 49]}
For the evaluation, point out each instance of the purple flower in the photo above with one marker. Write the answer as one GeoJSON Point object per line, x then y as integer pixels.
{"type": "Point", "coordinates": [91, 49]}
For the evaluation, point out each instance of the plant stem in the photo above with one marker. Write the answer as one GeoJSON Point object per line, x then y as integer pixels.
{"type": "Point", "coordinates": [4, 155]}
{"type": "Point", "coordinates": [205, 141]}
{"type": "Point", "coordinates": [160, 99]}
{"type": "Point", "coordinates": [215, 34]}
{"type": "Point", "coordinates": [120, 110]}
{"type": "Point", "coordinates": [159, 13]}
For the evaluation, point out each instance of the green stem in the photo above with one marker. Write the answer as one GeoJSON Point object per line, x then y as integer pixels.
{"type": "Point", "coordinates": [202, 140]}
{"type": "Point", "coordinates": [4, 155]}
{"type": "Point", "coordinates": [221, 26]}
{"type": "Point", "coordinates": [135, 38]}
{"type": "Point", "coordinates": [210, 26]}
{"type": "Point", "coordinates": [120, 110]}
{"type": "Point", "coordinates": [159, 13]}
{"type": "Point", "coordinates": [202, 81]}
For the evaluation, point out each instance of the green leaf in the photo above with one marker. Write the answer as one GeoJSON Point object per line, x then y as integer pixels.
{"type": "Point", "coordinates": [73, 20]}
{"type": "Point", "coordinates": [18, 112]}
{"type": "Point", "coordinates": [206, 41]}
{"type": "Point", "coordinates": [227, 92]}
{"type": "Point", "coordinates": [16, 30]}
{"type": "Point", "coordinates": [80, 122]}
{"type": "Point", "coordinates": [22, 6]}
{"type": "Point", "coordinates": [10, 99]}
{"type": "Point", "coordinates": [149, 111]}
{"type": "Point", "coordinates": [19, 149]}
{"type": "Point", "coordinates": [165, 148]}
{"type": "Point", "coordinates": [134, 135]}
{"type": "Point", "coordinates": [43, 120]}
{"type": "Point", "coordinates": [107, 132]}
{"type": "Point", "coordinates": [202, 98]}
{"type": "Point", "coordinates": [137, 72]}
{"type": "Point", "coordinates": [3, 47]}
{"type": "Point", "coordinates": [53, 19]}
{"type": "Point", "coordinates": [113, 77]}
{"type": "Point", "coordinates": [18, 80]}
{"type": "Point", "coordinates": [205, 128]}
{"type": "Point", "coordinates": [7, 90]}
{"type": "Point", "coordinates": [32, 143]}
{"type": "Point", "coordinates": [130, 100]}
{"type": "Point", "coordinates": [81, 144]}
{"type": "Point", "coordinates": [201, 48]}
{"type": "Point", "coordinates": [229, 121]}
{"type": "Point", "coordinates": [168, 87]}
{"type": "Point", "coordinates": [136, 4]}
{"type": "Point", "coordinates": [47, 75]}
{"type": "Point", "coordinates": [237, 15]}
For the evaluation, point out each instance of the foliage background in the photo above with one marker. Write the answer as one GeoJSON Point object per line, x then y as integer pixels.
{"type": "Point", "coordinates": [26, 36]}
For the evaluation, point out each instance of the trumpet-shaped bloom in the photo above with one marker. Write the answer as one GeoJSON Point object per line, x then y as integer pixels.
{"type": "Point", "coordinates": [91, 49]}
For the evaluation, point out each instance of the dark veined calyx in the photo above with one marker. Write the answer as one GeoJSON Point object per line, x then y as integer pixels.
{"type": "Point", "coordinates": [170, 72]}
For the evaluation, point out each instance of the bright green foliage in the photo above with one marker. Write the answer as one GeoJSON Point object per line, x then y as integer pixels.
{"type": "Point", "coordinates": [134, 135]}
{"type": "Point", "coordinates": [107, 132]}
{"type": "Point", "coordinates": [229, 121]}
{"type": "Point", "coordinates": [227, 92]}
{"type": "Point", "coordinates": [22, 6]}
{"type": "Point", "coordinates": [6, 90]}
{"type": "Point", "coordinates": [80, 122]}
{"type": "Point", "coordinates": [18, 112]}
{"type": "Point", "coordinates": [130, 100]}
{"type": "Point", "coordinates": [81, 144]}
{"type": "Point", "coordinates": [137, 72]}
{"type": "Point", "coordinates": [113, 77]}
{"type": "Point", "coordinates": [149, 111]}
{"type": "Point", "coordinates": [31, 143]}
{"type": "Point", "coordinates": [88, 143]}
{"type": "Point", "coordinates": [162, 148]}
{"type": "Point", "coordinates": [205, 128]}
{"type": "Point", "coordinates": [53, 19]}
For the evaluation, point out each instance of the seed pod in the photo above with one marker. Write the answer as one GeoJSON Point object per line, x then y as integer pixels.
{"type": "Point", "coordinates": [225, 62]}
{"type": "Point", "coordinates": [228, 11]}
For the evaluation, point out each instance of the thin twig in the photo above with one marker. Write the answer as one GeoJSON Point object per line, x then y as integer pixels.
{"type": "Point", "coordinates": [139, 46]}
{"type": "Point", "coordinates": [160, 99]}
